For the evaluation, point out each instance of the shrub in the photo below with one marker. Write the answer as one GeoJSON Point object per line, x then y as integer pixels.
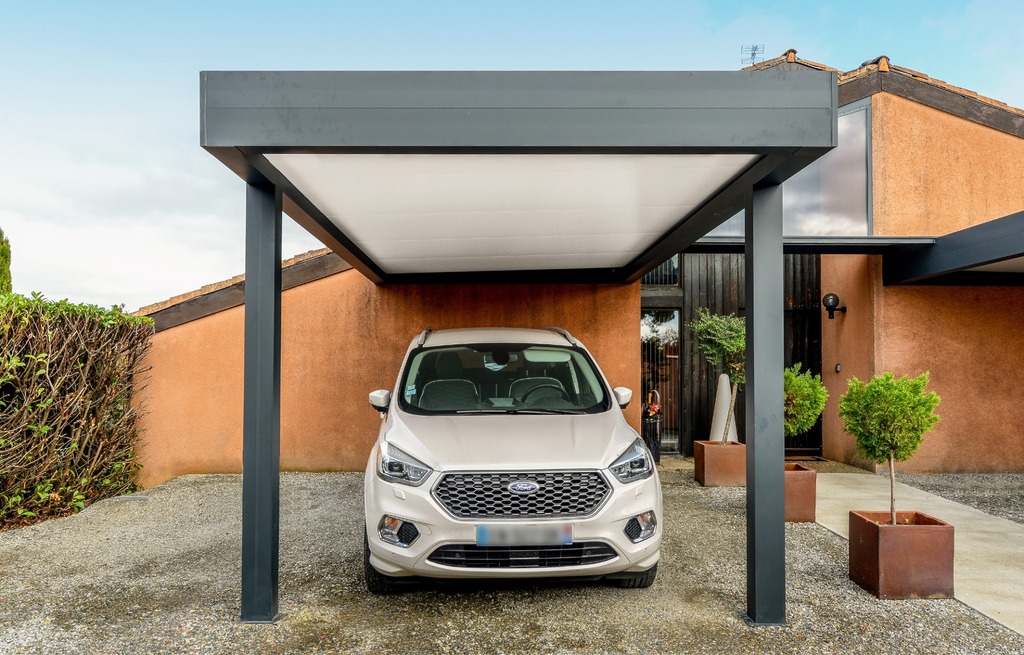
{"type": "Point", "coordinates": [67, 423]}
{"type": "Point", "coordinates": [888, 416]}
{"type": "Point", "coordinates": [805, 398]}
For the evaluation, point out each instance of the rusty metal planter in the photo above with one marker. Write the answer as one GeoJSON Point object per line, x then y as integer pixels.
{"type": "Point", "coordinates": [913, 559]}
{"type": "Point", "coordinates": [801, 485]}
{"type": "Point", "coordinates": [717, 464]}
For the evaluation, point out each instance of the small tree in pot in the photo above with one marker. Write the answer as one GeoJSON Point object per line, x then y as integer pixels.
{"type": "Point", "coordinates": [723, 341]}
{"type": "Point", "coordinates": [895, 554]}
{"type": "Point", "coordinates": [804, 399]}
{"type": "Point", "coordinates": [888, 416]}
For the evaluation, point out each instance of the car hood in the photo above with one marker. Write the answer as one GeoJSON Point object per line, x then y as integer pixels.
{"type": "Point", "coordinates": [511, 441]}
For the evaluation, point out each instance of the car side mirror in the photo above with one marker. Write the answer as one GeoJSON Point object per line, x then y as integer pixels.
{"type": "Point", "coordinates": [380, 399]}
{"type": "Point", "coordinates": [623, 396]}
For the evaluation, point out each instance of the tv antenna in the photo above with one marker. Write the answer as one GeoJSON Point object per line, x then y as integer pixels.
{"type": "Point", "coordinates": [751, 54]}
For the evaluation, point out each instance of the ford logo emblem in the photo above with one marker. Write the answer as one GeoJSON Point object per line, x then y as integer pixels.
{"type": "Point", "coordinates": [524, 487]}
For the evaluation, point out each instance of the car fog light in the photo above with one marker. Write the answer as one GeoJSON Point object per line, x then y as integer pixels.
{"type": "Point", "coordinates": [397, 532]}
{"type": "Point", "coordinates": [641, 527]}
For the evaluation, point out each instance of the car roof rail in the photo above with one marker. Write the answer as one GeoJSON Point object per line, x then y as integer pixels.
{"type": "Point", "coordinates": [423, 336]}
{"type": "Point", "coordinates": [563, 332]}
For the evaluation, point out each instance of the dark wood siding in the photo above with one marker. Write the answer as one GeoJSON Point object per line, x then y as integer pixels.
{"type": "Point", "coordinates": [715, 281]}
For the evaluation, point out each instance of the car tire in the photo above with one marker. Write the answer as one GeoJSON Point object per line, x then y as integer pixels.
{"type": "Point", "coordinates": [376, 582]}
{"type": "Point", "coordinates": [640, 580]}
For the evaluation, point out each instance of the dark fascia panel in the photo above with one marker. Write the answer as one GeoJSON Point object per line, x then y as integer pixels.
{"type": "Point", "coordinates": [395, 111]}
{"type": "Point", "coordinates": [788, 117]}
{"type": "Point", "coordinates": [974, 279]}
{"type": "Point", "coordinates": [936, 97]}
{"type": "Point", "coordinates": [866, 245]}
{"type": "Point", "coordinates": [949, 260]}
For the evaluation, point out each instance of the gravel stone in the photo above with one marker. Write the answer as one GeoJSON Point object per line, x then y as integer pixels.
{"type": "Point", "coordinates": [998, 494]}
{"type": "Point", "coordinates": [162, 575]}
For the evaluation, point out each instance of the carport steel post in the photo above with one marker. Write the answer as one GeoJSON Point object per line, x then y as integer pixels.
{"type": "Point", "coordinates": [261, 414]}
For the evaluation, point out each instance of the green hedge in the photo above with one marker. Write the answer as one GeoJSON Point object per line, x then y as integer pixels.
{"type": "Point", "coordinates": [67, 423]}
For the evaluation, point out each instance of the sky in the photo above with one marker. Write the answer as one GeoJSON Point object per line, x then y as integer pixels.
{"type": "Point", "coordinates": [108, 199]}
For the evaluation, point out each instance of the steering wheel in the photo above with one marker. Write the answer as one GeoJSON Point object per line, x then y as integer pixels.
{"type": "Point", "coordinates": [561, 392]}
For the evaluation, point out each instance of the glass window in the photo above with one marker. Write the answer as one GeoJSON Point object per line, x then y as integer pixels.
{"type": "Point", "coordinates": [502, 379]}
{"type": "Point", "coordinates": [830, 196]}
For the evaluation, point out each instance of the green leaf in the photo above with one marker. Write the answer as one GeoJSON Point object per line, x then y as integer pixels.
{"type": "Point", "coordinates": [889, 416]}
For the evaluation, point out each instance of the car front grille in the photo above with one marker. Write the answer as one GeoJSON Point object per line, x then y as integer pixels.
{"type": "Point", "coordinates": [487, 495]}
{"type": "Point", "coordinates": [470, 556]}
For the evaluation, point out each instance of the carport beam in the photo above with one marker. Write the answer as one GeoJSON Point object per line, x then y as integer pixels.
{"type": "Point", "coordinates": [766, 523]}
{"type": "Point", "coordinates": [261, 413]}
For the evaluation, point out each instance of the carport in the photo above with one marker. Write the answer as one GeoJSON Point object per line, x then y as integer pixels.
{"type": "Point", "coordinates": [521, 177]}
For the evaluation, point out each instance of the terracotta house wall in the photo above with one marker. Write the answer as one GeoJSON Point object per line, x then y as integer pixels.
{"type": "Point", "coordinates": [934, 173]}
{"type": "Point", "coordinates": [847, 340]}
{"type": "Point", "coordinates": [341, 337]}
{"type": "Point", "coordinates": [970, 340]}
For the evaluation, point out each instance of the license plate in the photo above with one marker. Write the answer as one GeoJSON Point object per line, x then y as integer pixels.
{"type": "Point", "coordinates": [554, 534]}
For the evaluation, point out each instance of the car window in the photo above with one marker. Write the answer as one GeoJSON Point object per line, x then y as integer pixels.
{"type": "Point", "coordinates": [502, 378]}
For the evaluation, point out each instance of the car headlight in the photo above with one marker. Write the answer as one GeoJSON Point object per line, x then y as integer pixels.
{"type": "Point", "coordinates": [634, 464]}
{"type": "Point", "coordinates": [395, 465]}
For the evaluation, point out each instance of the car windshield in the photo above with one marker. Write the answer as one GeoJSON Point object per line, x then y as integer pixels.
{"type": "Point", "coordinates": [502, 379]}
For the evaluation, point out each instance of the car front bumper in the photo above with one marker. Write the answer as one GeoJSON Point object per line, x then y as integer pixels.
{"type": "Point", "coordinates": [437, 529]}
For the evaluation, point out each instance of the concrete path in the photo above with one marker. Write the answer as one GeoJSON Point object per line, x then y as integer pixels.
{"type": "Point", "coordinates": [988, 559]}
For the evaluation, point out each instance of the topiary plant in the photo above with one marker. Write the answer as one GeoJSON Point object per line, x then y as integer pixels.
{"type": "Point", "coordinates": [723, 340]}
{"type": "Point", "coordinates": [888, 416]}
{"type": "Point", "coordinates": [805, 398]}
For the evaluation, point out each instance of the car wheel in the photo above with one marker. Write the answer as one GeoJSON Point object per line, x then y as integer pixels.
{"type": "Point", "coordinates": [376, 582]}
{"type": "Point", "coordinates": [640, 580]}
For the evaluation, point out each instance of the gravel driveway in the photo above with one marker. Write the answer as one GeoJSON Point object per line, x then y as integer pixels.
{"type": "Point", "coordinates": [161, 574]}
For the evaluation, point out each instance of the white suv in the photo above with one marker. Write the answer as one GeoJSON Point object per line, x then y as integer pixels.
{"type": "Point", "coordinates": [504, 454]}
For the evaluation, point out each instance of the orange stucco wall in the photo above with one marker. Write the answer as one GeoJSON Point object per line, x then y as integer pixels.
{"type": "Point", "coordinates": [847, 341]}
{"type": "Point", "coordinates": [934, 173]}
{"type": "Point", "coordinates": [970, 340]}
{"type": "Point", "coordinates": [342, 337]}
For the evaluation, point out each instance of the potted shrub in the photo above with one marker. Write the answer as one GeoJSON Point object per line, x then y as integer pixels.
{"type": "Point", "coordinates": [723, 342]}
{"type": "Point", "coordinates": [895, 554]}
{"type": "Point", "coordinates": [805, 398]}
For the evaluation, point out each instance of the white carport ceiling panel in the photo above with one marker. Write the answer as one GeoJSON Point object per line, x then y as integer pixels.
{"type": "Point", "coordinates": [452, 213]}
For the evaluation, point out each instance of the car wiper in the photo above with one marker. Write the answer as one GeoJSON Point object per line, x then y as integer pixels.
{"type": "Point", "coordinates": [550, 410]}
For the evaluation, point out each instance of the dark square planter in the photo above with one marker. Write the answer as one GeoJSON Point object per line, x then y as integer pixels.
{"type": "Point", "coordinates": [913, 559]}
{"type": "Point", "coordinates": [801, 485]}
{"type": "Point", "coordinates": [717, 464]}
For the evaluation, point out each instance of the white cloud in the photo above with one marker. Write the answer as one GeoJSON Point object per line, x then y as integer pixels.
{"type": "Point", "coordinates": [133, 222]}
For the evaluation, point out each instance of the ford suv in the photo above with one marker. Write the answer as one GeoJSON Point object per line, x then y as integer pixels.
{"type": "Point", "coordinates": [503, 453]}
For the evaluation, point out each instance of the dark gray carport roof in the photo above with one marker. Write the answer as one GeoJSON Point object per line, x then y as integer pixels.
{"type": "Point", "coordinates": [754, 129]}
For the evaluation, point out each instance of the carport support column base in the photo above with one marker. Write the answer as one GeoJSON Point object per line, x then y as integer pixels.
{"type": "Point", "coordinates": [261, 414]}
{"type": "Point", "coordinates": [766, 524]}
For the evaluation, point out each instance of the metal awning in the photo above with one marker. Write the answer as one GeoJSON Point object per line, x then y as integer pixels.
{"type": "Point", "coordinates": [516, 177]}
{"type": "Point", "coordinates": [990, 253]}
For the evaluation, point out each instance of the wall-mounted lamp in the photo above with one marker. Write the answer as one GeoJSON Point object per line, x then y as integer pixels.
{"type": "Point", "coordinates": [831, 303]}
